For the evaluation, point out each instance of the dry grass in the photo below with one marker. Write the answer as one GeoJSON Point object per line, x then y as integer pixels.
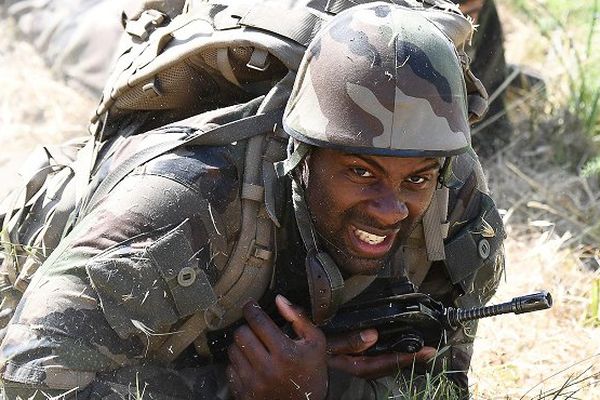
{"type": "Point", "coordinates": [35, 107]}
{"type": "Point", "coordinates": [553, 222]}
{"type": "Point", "coordinates": [552, 219]}
{"type": "Point", "coordinates": [516, 353]}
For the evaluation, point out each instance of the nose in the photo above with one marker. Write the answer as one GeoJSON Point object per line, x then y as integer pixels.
{"type": "Point", "coordinates": [388, 209]}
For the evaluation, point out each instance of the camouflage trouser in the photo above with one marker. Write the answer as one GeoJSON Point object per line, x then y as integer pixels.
{"type": "Point", "coordinates": [76, 38]}
{"type": "Point", "coordinates": [79, 38]}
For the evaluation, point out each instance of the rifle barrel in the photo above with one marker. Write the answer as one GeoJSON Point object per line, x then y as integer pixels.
{"type": "Point", "coordinates": [518, 305]}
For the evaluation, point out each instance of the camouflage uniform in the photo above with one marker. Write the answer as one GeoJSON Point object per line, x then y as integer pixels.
{"type": "Point", "coordinates": [79, 38]}
{"type": "Point", "coordinates": [95, 313]}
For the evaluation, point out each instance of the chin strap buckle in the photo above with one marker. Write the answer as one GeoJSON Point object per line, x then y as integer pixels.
{"type": "Point", "coordinates": [325, 284]}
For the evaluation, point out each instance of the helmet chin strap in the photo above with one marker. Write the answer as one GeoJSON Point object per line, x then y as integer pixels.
{"type": "Point", "coordinates": [326, 285]}
{"type": "Point", "coordinates": [325, 281]}
{"type": "Point", "coordinates": [435, 224]}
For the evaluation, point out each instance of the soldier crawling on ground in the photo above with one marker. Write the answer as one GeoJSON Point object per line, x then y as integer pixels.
{"type": "Point", "coordinates": [379, 186]}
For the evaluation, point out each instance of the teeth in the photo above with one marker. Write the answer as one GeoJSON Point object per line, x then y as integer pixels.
{"type": "Point", "coordinates": [368, 237]}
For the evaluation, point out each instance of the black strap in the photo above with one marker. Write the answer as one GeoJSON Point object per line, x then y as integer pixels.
{"type": "Point", "coordinates": [325, 281]}
{"type": "Point", "coordinates": [222, 135]}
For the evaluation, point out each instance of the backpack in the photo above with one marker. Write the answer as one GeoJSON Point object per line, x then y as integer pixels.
{"type": "Point", "coordinates": [198, 65]}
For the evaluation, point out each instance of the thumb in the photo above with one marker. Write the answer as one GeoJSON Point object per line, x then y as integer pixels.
{"type": "Point", "coordinates": [300, 322]}
{"type": "Point", "coordinates": [425, 354]}
{"type": "Point", "coordinates": [351, 343]}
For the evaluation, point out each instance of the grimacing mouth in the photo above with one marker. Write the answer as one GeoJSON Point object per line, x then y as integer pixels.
{"type": "Point", "coordinates": [368, 237]}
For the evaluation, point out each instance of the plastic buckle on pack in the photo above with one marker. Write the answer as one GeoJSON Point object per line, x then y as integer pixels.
{"type": "Point", "coordinates": [151, 89]}
{"type": "Point", "coordinates": [262, 253]}
{"type": "Point", "coordinates": [141, 27]}
{"type": "Point", "coordinates": [257, 251]}
{"type": "Point", "coordinates": [259, 60]}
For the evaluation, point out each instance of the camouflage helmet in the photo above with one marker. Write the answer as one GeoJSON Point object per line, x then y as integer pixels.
{"type": "Point", "coordinates": [381, 79]}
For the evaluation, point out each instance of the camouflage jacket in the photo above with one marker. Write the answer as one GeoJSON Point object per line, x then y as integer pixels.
{"type": "Point", "coordinates": [90, 320]}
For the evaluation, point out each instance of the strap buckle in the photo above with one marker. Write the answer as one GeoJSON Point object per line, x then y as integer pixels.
{"type": "Point", "coordinates": [258, 251]}
{"type": "Point", "coordinates": [147, 21]}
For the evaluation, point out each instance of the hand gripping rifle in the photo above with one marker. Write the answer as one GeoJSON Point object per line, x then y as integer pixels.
{"type": "Point", "coordinates": [407, 322]}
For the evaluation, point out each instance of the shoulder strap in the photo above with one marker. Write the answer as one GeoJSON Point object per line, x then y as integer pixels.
{"type": "Point", "coordinates": [225, 134]}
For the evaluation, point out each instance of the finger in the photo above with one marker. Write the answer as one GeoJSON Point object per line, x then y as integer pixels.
{"type": "Point", "coordinates": [373, 367]}
{"type": "Point", "coordinates": [370, 367]}
{"type": "Point", "coordinates": [235, 384]}
{"type": "Point", "coordinates": [301, 324]}
{"type": "Point", "coordinates": [263, 327]}
{"type": "Point", "coordinates": [241, 365]}
{"type": "Point", "coordinates": [251, 346]}
{"type": "Point", "coordinates": [351, 343]}
{"type": "Point", "coordinates": [425, 355]}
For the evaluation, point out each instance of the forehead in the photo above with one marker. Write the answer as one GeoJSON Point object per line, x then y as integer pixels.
{"type": "Point", "coordinates": [324, 157]}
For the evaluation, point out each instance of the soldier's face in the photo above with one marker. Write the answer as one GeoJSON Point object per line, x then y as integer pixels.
{"type": "Point", "coordinates": [363, 207]}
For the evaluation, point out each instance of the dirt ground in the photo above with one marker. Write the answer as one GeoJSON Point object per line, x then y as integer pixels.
{"type": "Point", "coordinates": [515, 356]}
{"type": "Point", "coordinates": [548, 214]}
{"type": "Point", "coordinates": [36, 108]}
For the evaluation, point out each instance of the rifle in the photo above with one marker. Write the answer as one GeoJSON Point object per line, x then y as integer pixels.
{"type": "Point", "coordinates": [407, 322]}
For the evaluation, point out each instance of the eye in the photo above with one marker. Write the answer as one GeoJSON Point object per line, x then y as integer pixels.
{"type": "Point", "coordinates": [417, 180]}
{"type": "Point", "coordinates": [363, 173]}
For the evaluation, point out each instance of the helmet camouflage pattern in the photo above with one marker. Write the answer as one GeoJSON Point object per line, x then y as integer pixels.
{"type": "Point", "coordinates": [381, 79]}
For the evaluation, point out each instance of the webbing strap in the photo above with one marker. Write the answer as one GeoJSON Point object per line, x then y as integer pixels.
{"type": "Point", "coordinates": [478, 106]}
{"type": "Point", "coordinates": [82, 168]}
{"type": "Point", "coordinates": [298, 25]}
{"type": "Point", "coordinates": [295, 24]}
{"type": "Point", "coordinates": [433, 225]}
{"type": "Point", "coordinates": [225, 66]}
{"type": "Point", "coordinates": [246, 274]}
{"type": "Point", "coordinates": [222, 135]}
{"type": "Point", "coordinates": [272, 195]}
{"type": "Point", "coordinates": [477, 95]}
{"type": "Point", "coordinates": [303, 218]}
{"type": "Point", "coordinates": [253, 192]}
{"type": "Point", "coordinates": [291, 162]}
{"type": "Point", "coordinates": [337, 6]}
{"type": "Point", "coordinates": [325, 281]}
{"type": "Point", "coordinates": [175, 344]}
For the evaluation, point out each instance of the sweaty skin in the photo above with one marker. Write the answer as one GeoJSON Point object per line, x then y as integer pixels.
{"type": "Point", "coordinates": [363, 207]}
